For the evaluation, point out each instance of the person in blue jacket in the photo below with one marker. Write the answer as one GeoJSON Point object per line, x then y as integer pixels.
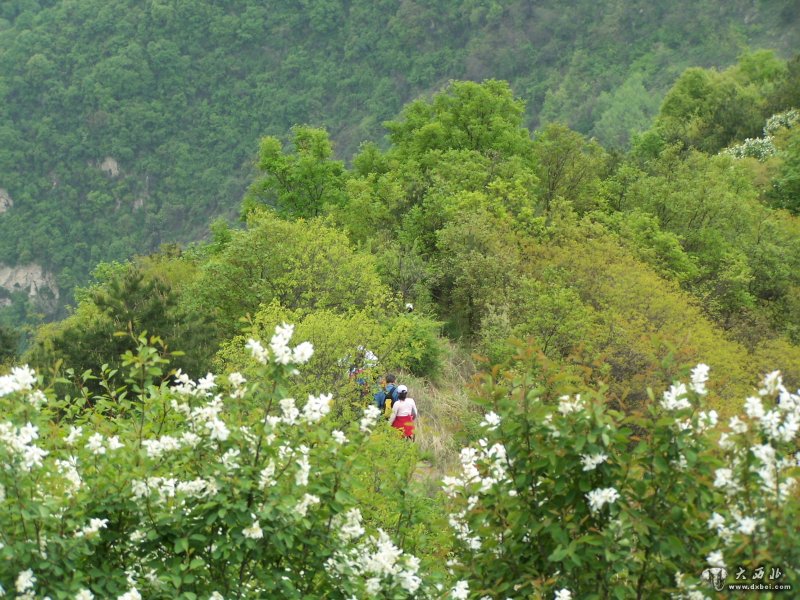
{"type": "Point", "coordinates": [388, 391]}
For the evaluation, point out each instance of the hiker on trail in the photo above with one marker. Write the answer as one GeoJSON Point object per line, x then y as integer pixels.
{"type": "Point", "coordinates": [404, 413]}
{"type": "Point", "coordinates": [388, 392]}
{"type": "Point", "coordinates": [365, 359]}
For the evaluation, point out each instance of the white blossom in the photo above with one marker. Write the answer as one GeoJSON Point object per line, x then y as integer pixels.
{"type": "Point", "coordinates": [460, 591]}
{"type": "Point", "coordinates": [725, 479]}
{"type": "Point", "coordinates": [317, 407]}
{"type": "Point", "coordinates": [19, 380]}
{"type": "Point", "coordinates": [229, 461]}
{"type": "Point", "coordinates": [20, 443]}
{"type": "Point", "coordinates": [371, 414]}
{"type": "Point", "coordinates": [217, 429]}
{"type": "Point", "coordinates": [563, 594]}
{"type": "Point", "coordinates": [266, 476]}
{"type": "Point", "coordinates": [348, 525]}
{"type": "Point", "coordinates": [304, 468]}
{"type": "Point", "coordinates": [289, 410]}
{"type": "Point", "coordinates": [747, 525]}
{"type": "Point", "coordinates": [591, 462]}
{"type": "Point", "coordinates": [257, 350]}
{"type": "Point", "coordinates": [754, 408]}
{"type": "Point", "coordinates": [675, 398]}
{"type": "Point", "coordinates": [254, 531]}
{"type": "Point", "coordinates": [95, 444]}
{"type": "Point", "coordinates": [600, 497]}
{"type": "Point", "coordinates": [491, 421]}
{"type": "Point", "coordinates": [37, 399]}
{"type": "Point", "coordinates": [715, 559]}
{"type": "Point", "coordinates": [279, 344]}
{"type": "Point", "coordinates": [567, 406]}
{"type": "Point", "coordinates": [25, 581]}
{"type": "Point", "coordinates": [707, 420]}
{"type": "Point", "coordinates": [301, 509]}
{"type": "Point", "coordinates": [92, 528]}
{"type": "Point", "coordinates": [736, 425]}
{"type": "Point", "coordinates": [699, 379]}
{"type": "Point", "coordinates": [772, 383]}
{"type": "Point", "coordinates": [716, 521]}
{"type": "Point", "coordinates": [84, 594]}
{"type": "Point", "coordinates": [74, 434]}
{"type": "Point", "coordinates": [302, 353]}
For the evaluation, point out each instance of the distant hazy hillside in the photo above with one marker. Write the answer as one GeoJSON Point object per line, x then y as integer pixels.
{"type": "Point", "coordinates": [126, 124]}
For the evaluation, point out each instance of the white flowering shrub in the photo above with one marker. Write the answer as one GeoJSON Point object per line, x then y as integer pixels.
{"type": "Point", "coordinates": [786, 119]}
{"type": "Point", "coordinates": [216, 488]}
{"type": "Point", "coordinates": [758, 148]}
{"type": "Point", "coordinates": [764, 147]}
{"type": "Point", "coordinates": [569, 499]}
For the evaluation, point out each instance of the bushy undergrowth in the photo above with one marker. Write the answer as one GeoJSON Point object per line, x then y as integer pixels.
{"type": "Point", "coordinates": [214, 488]}
{"type": "Point", "coordinates": [569, 497]}
{"type": "Point", "coordinates": [225, 488]}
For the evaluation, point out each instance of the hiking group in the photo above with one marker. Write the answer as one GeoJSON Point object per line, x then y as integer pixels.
{"type": "Point", "coordinates": [389, 396]}
{"type": "Point", "coordinates": [404, 409]}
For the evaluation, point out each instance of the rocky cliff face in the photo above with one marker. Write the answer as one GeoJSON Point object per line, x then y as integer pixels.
{"type": "Point", "coordinates": [5, 201]}
{"type": "Point", "coordinates": [32, 279]}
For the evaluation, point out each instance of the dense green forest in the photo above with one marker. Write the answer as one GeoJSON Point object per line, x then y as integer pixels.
{"type": "Point", "coordinates": [125, 124]}
{"type": "Point", "coordinates": [621, 306]}
{"type": "Point", "coordinates": [582, 285]}
{"type": "Point", "coordinates": [620, 267]}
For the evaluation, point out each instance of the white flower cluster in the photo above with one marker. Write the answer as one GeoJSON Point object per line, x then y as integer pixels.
{"type": "Point", "coordinates": [25, 583]}
{"type": "Point", "coordinates": [19, 443]}
{"type": "Point", "coordinates": [379, 564]}
{"type": "Point", "coordinates": [306, 502]}
{"type": "Point", "coordinates": [481, 470]}
{"type": "Point", "coordinates": [699, 379]}
{"type": "Point", "coordinates": [371, 415]}
{"type": "Point", "coordinates": [568, 406]}
{"type": "Point", "coordinates": [279, 348]}
{"type": "Point", "coordinates": [68, 468]}
{"type": "Point", "coordinates": [687, 592]}
{"type": "Point", "coordinates": [778, 428]}
{"type": "Point", "coordinates": [491, 421]}
{"type": "Point", "coordinates": [758, 148]}
{"type": "Point", "coordinates": [253, 531]}
{"type": "Point", "coordinates": [460, 590]}
{"type": "Point", "coordinates": [92, 528]}
{"type": "Point", "coordinates": [131, 594]}
{"type": "Point", "coordinates": [19, 380]}
{"type": "Point", "coordinates": [317, 407]}
{"type": "Point", "coordinates": [600, 497]}
{"type": "Point", "coordinates": [675, 398]}
{"type": "Point", "coordinates": [591, 462]}
{"type": "Point", "coordinates": [184, 386]}
{"type": "Point", "coordinates": [785, 119]}
{"type": "Point", "coordinates": [157, 448]}
{"type": "Point", "coordinates": [97, 444]}
{"type": "Point", "coordinates": [348, 525]}
{"type": "Point", "coordinates": [492, 460]}
{"type": "Point", "coordinates": [206, 419]}
{"type": "Point", "coordinates": [168, 487]}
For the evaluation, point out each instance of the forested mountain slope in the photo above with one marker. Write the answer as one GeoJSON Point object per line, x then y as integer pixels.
{"type": "Point", "coordinates": [126, 124]}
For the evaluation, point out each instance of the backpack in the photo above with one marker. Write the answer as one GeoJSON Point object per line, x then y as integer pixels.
{"type": "Point", "coordinates": [382, 395]}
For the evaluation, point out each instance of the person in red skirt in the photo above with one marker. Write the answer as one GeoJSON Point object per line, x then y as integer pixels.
{"type": "Point", "coordinates": [404, 413]}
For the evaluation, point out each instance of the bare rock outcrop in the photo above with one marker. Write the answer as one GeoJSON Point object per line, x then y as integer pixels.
{"type": "Point", "coordinates": [110, 166]}
{"type": "Point", "coordinates": [38, 284]}
{"type": "Point", "coordinates": [5, 200]}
